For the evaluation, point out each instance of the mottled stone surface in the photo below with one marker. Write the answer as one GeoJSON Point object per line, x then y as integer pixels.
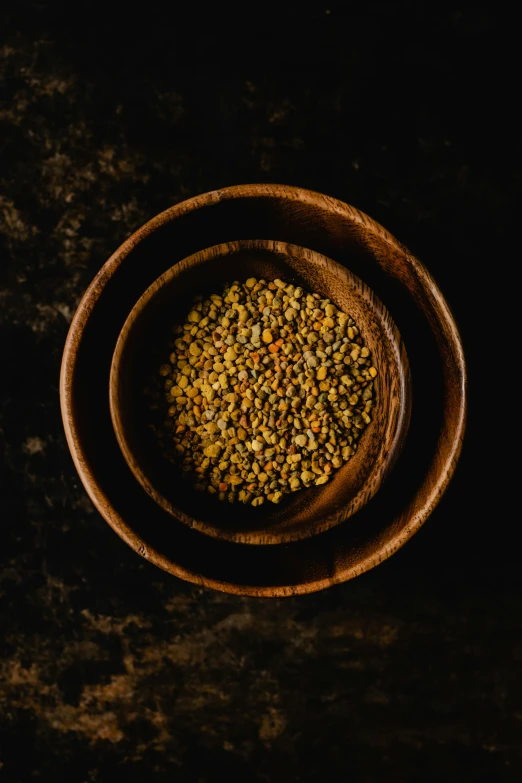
{"type": "Point", "coordinates": [107, 665]}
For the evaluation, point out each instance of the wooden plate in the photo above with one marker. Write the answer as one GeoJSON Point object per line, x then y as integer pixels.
{"type": "Point", "coordinates": [437, 367]}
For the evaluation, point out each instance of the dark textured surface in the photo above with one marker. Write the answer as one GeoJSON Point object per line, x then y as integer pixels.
{"type": "Point", "coordinates": [107, 665]}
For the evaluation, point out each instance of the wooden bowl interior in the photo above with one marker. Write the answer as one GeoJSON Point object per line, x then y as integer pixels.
{"type": "Point", "coordinates": [144, 344]}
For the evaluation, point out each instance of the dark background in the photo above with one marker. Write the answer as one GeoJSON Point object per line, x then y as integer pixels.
{"type": "Point", "coordinates": [108, 665]}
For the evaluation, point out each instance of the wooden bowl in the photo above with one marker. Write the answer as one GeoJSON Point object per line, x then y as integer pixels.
{"type": "Point", "coordinates": [433, 444]}
{"type": "Point", "coordinates": [144, 342]}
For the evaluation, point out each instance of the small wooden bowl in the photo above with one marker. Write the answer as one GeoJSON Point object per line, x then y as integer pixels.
{"type": "Point", "coordinates": [144, 342]}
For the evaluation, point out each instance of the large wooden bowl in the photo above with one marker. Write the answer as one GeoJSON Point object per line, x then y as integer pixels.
{"type": "Point", "coordinates": [403, 284]}
{"type": "Point", "coordinates": [144, 342]}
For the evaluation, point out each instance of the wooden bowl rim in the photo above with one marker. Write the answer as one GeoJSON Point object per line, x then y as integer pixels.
{"type": "Point", "coordinates": [441, 315]}
{"type": "Point", "coordinates": [391, 445]}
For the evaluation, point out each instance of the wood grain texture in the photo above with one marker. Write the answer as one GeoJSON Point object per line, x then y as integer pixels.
{"type": "Point", "coordinates": [425, 323]}
{"type": "Point", "coordinates": [142, 343]}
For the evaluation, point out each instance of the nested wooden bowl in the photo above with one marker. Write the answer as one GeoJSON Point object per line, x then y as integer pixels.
{"type": "Point", "coordinates": [433, 444]}
{"type": "Point", "coordinates": [143, 345]}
